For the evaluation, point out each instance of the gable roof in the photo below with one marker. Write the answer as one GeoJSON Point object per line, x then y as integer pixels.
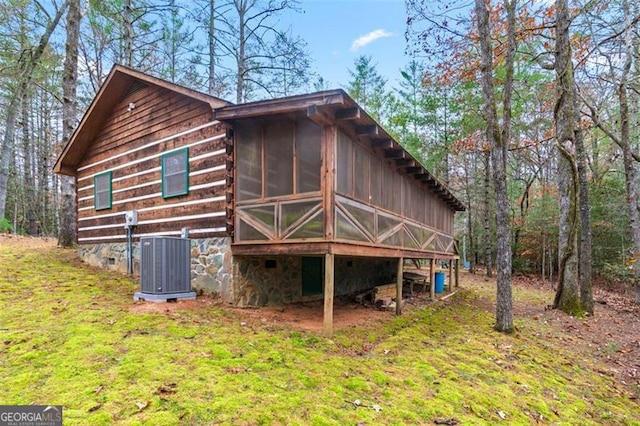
{"type": "Point", "coordinates": [119, 81]}
{"type": "Point", "coordinates": [325, 107]}
{"type": "Point", "coordinates": [337, 107]}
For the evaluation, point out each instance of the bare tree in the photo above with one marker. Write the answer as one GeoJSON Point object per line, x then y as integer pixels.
{"type": "Point", "coordinates": [488, 255]}
{"type": "Point", "coordinates": [619, 74]}
{"type": "Point", "coordinates": [67, 227]}
{"type": "Point", "coordinates": [567, 296]}
{"type": "Point", "coordinates": [248, 33]}
{"type": "Point", "coordinates": [498, 142]}
{"type": "Point", "coordinates": [211, 44]}
{"type": "Point", "coordinates": [27, 64]}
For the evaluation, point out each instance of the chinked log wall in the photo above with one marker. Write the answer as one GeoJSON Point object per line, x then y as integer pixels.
{"type": "Point", "coordinates": [144, 125]}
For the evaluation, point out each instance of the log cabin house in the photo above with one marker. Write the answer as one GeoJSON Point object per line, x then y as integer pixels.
{"type": "Point", "coordinates": [292, 199]}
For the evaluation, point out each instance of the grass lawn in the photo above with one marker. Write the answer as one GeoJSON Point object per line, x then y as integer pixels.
{"type": "Point", "coordinates": [69, 336]}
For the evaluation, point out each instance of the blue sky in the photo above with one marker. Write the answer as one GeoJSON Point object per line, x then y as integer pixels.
{"type": "Point", "coordinates": [338, 31]}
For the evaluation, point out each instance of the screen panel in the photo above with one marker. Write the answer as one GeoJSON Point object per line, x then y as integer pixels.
{"type": "Point", "coordinates": [345, 164]}
{"type": "Point", "coordinates": [248, 149]}
{"type": "Point", "coordinates": [278, 147]}
{"type": "Point", "coordinates": [308, 156]}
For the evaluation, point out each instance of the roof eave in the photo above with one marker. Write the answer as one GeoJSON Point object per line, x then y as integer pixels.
{"type": "Point", "coordinates": [118, 80]}
{"type": "Point", "coordinates": [281, 105]}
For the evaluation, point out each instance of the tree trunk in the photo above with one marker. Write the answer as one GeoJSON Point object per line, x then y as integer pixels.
{"type": "Point", "coordinates": [567, 297]}
{"type": "Point", "coordinates": [469, 222]}
{"type": "Point", "coordinates": [68, 214]}
{"type": "Point", "coordinates": [471, 248]}
{"type": "Point", "coordinates": [624, 140]}
{"type": "Point", "coordinates": [241, 58]}
{"type": "Point", "coordinates": [212, 47]}
{"type": "Point", "coordinates": [487, 215]}
{"type": "Point", "coordinates": [127, 39]}
{"type": "Point", "coordinates": [627, 157]}
{"type": "Point", "coordinates": [29, 190]}
{"type": "Point", "coordinates": [584, 267]}
{"type": "Point", "coordinates": [27, 67]}
{"type": "Point", "coordinates": [504, 308]}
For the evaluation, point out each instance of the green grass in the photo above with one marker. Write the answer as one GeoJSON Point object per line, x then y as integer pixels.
{"type": "Point", "coordinates": [69, 337]}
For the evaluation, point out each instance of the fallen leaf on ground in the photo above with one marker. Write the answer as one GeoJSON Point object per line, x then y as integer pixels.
{"type": "Point", "coordinates": [447, 422]}
{"type": "Point", "coordinates": [166, 389]}
{"type": "Point", "coordinates": [142, 405]}
{"type": "Point", "coordinates": [94, 408]}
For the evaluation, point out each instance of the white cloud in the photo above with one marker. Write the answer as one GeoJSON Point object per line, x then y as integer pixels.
{"type": "Point", "coordinates": [363, 40]}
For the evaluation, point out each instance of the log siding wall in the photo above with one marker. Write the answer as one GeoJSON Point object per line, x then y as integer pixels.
{"type": "Point", "coordinates": [143, 126]}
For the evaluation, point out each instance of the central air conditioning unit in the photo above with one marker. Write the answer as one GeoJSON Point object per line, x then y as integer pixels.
{"type": "Point", "coordinates": [165, 269]}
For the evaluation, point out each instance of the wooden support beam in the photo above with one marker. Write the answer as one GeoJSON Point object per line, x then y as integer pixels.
{"type": "Point", "coordinates": [399, 286]}
{"type": "Point", "coordinates": [348, 114]}
{"type": "Point", "coordinates": [394, 153]}
{"type": "Point", "coordinates": [328, 294]}
{"type": "Point", "coordinates": [450, 286]}
{"type": "Point", "coordinates": [457, 273]}
{"type": "Point", "coordinates": [371, 130]}
{"type": "Point", "coordinates": [406, 162]}
{"type": "Point", "coordinates": [329, 141]}
{"type": "Point", "coordinates": [432, 279]}
{"type": "Point", "coordinates": [382, 144]}
{"type": "Point", "coordinates": [319, 115]}
{"type": "Point", "coordinates": [414, 170]}
{"type": "Point", "coordinates": [66, 170]}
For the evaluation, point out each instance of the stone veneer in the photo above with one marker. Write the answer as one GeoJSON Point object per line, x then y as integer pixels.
{"type": "Point", "coordinates": [246, 280]}
{"type": "Point", "coordinates": [257, 285]}
{"type": "Point", "coordinates": [112, 256]}
{"type": "Point", "coordinates": [211, 267]}
{"type": "Point", "coordinates": [210, 263]}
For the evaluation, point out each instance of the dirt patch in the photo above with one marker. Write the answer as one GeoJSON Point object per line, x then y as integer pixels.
{"type": "Point", "coordinates": [144, 307]}
{"type": "Point", "coordinates": [612, 334]}
{"type": "Point", "coordinates": [307, 316]}
{"type": "Point", "coordinates": [310, 315]}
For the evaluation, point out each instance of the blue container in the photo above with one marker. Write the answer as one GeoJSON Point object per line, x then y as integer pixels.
{"type": "Point", "coordinates": [439, 282]}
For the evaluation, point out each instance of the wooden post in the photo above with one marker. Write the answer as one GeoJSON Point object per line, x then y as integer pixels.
{"type": "Point", "coordinates": [329, 143]}
{"type": "Point", "coordinates": [450, 286]}
{"type": "Point", "coordinates": [432, 278]}
{"type": "Point", "coordinates": [328, 294]}
{"type": "Point", "coordinates": [399, 287]}
{"type": "Point", "coordinates": [457, 273]}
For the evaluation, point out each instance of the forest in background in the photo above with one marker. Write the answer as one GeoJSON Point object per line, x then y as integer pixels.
{"type": "Point", "coordinates": [55, 54]}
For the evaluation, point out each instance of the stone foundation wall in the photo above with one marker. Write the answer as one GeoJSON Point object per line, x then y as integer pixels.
{"type": "Point", "coordinates": [210, 263]}
{"type": "Point", "coordinates": [211, 267]}
{"type": "Point", "coordinates": [112, 256]}
{"type": "Point", "coordinates": [258, 285]}
{"type": "Point", "coordinates": [250, 280]}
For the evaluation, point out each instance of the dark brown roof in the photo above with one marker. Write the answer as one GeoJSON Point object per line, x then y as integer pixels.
{"type": "Point", "coordinates": [116, 85]}
{"type": "Point", "coordinates": [326, 107]}
{"type": "Point", "coordinates": [336, 106]}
